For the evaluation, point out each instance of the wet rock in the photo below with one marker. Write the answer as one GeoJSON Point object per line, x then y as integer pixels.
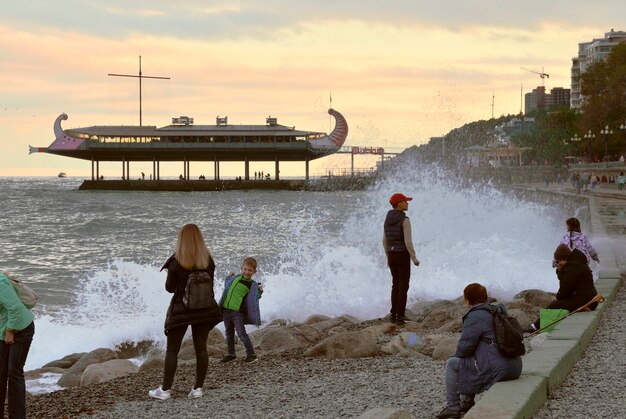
{"type": "Point", "coordinates": [154, 363]}
{"type": "Point", "coordinates": [65, 362]}
{"type": "Point", "coordinates": [537, 298]}
{"type": "Point", "coordinates": [106, 371]}
{"type": "Point", "coordinates": [405, 343]}
{"type": "Point", "coordinates": [444, 348]}
{"type": "Point", "coordinates": [280, 339]}
{"type": "Point", "coordinates": [316, 318]}
{"type": "Point", "coordinates": [71, 377]}
{"type": "Point", "coordinates": [346, 345]}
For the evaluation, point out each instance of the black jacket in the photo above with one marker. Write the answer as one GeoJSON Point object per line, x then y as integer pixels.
{"type": "Point", "coordinates": [177, 314]}
{"type": "Point", "coordinates": [576, 281]}
{"type": "Point", "coordinates": [394, 232]}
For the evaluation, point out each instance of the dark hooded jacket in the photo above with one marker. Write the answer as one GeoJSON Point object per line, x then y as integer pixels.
{"type": "Point", "coordinates": [482, 364]}
{"type": "Point", "coordinates": [394, 232]}
{"type": "Point", "coordinates": [575, 282]}
{"type": "Point", "coordinates": [177, 315]}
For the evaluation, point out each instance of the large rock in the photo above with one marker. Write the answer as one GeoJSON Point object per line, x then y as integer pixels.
{"type": "Point", "coordinates": [523, 318]}
{"type": "Point", "coordinates": [154, 363]}
{"type": "Point", "coordinates": [386, 413]}
{"type": "Point", "coordinates": [440, 317]}
{"type": "Point", "coordinates": [405, 343]}
{"type": "Point", "coordinates": [537, 298]}
{"type": "Point", "coordinates": [131, 349]}
{"type": "Point", "coordinates": [65, 362]}
{"type": "Point", "coordinates": [379, 330]}
{"type": "Point", "coordinates": [347, 345]}
{"type": "Point", "coordinates": [106, 371]}
{"type": "Point", "coordinates": [423, 308]}
{"type": "Point", "coordinates": [444, 348]}
{"type": "Point", "coordinates": [316, 318]}
{"type": "Point", "coordinates": [283, 338]}
{"type": "Point", "coordinates": [71, 377]}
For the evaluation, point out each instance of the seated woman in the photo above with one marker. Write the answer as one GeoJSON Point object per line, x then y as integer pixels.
{"type": "Point", "coordinates": [575, 282]}
{"type": "Point", "coordinates": [477, 363]}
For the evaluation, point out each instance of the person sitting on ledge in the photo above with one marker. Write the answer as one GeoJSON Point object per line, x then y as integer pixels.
{"type": "Point", "coordinates": [575, 282]}
{"type": "Point", "coordinates": [477, 363]}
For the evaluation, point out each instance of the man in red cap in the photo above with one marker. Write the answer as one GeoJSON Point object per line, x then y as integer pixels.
{"type": "Point", "coordinates": [398, 246]}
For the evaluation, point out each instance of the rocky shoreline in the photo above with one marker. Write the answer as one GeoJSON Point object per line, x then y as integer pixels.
{"type": "Point", "coordinates": [323, 367]}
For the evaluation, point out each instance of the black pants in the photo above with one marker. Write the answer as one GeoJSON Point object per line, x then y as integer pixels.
{"type": "Point", "coordinates": [175, 336]}
{"type": "Point", "coordinates": [400, 266]}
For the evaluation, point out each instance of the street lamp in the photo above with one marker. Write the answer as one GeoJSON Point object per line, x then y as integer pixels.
{"type": "Point", "coordinates": [606, 131]}
{"type": "Point", "coordinates": [589, 135]}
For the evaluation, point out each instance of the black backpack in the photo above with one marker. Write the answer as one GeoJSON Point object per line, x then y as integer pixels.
{"type": "Point", "coordinates": [199, 291]}
{"type": "Point", "coordinates": [509, 333]}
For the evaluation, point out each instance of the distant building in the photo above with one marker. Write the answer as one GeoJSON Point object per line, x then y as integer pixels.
{"type": "Point", "coordinates": [589, 52]}
{"type": "Point", "coordinates": [538, 99]}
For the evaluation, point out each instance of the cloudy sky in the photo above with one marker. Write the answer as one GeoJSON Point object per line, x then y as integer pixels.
{"type": "Point", "coordinates": [399, 71]}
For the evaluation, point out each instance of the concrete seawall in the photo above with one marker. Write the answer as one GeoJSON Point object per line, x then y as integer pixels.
{"type": "Point", "coordinates": [547, 365]}
{"type": "Point", "coordinates": [321, 184]}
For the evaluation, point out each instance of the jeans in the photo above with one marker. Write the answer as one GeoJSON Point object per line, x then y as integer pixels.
{"type": "Point", "coordinates": [234, 321]}
{"type": "Point", "coordinates": [13, 358]}
{"type": "Point", "coordinates": [454, 400]}
{"type": "Point", "coordinates": [400, 266]}
{"type": "Point", "coordinates": [200, 333]}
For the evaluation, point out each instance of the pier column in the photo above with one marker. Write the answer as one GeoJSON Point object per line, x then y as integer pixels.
{"type": "Point", "coordinates": [97, 170]}
{"type": "Point", "coordinates": [123, 168]}
{"type": "Point", "coordinates": [306, 169]}
{"type": "Point", "coordinates": [247, 171]}
{"type": "Point", "coordinates": [127, 169]}
{"type": "Point", "coordinates": [92, 168]}
{"type": "Point", "coordinates": [277, 169]}
{"type": "Point", "coordinates": [153, 168]}
{"type": "Point", "coordinates": [188, 174]}
{"type": "Point", "coordinates": [352, 164]}
{"type": "Point", "coordinates": [216, 169]}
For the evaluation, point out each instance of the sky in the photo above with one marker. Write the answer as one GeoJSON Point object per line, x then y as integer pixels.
{"type": "Point", "coordinates": [399, 71]}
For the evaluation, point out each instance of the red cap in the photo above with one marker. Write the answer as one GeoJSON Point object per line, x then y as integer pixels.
{"type": "Point", "coordinates": [397, 198]}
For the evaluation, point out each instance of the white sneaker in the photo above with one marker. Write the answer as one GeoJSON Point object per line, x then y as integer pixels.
{"type": "Point", "coordinates": [160, 394]}
{"type": "Point", "coordinates": [195, 393]}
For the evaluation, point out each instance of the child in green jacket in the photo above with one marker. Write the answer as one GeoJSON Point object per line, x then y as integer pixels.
{"type": "Point", "coordinates": [240, 305]}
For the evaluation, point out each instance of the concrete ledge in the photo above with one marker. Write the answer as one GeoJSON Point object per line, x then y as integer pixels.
{"type": "Point", "coordinates": [553, 360]}
{"type": "Point", "coordinates": [580, 327]}
{"type": "Point", "coordinates": [518, 399]}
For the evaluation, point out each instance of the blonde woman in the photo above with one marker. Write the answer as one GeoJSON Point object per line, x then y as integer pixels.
{"type": "Point", "coordinates": [191, 255]}
{"type": "Point", "coordinates": [16, 330]}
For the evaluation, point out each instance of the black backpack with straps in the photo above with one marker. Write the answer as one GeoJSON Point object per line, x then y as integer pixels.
{"type": "Point", "coordinates": [198, 292]}
{"type": "Point", "coordinates": [509, 333]}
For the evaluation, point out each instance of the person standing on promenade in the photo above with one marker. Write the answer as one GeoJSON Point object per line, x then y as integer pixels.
{"type": "Point", "coordinates": [240, 306]}
{"type": "Point", "coordinates": [477, 363]}
{"type": "Point", "coordinates": [398, 245]}
{"type": "Point", "coordinates": [191, 255]}
{"type": "Point", "coordinates": [575, 239]}
{"type": "Point", "coordinates": [621, 180]}
{"type": "Point", "coordinates": [575, 282]}
{"type": "Point", "coordinates": [17, 328]}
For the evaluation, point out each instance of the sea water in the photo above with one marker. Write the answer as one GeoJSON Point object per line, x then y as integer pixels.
{"type": "Point", "coordinates": [95, 256]}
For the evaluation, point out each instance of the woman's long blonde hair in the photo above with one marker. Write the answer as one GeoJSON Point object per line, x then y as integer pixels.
{"type": "Point", "coordinates": [191, 251]}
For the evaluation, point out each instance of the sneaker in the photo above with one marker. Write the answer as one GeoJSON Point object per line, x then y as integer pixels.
{"type": "Point", "coordinates": [392, 318]}
{"type": "Point", "coordinates": [449, 413]}
{"type": "Point", "coordinates": [250, 358]}
{"type": "Point", "coordinates": [160, 394]}
{"type": "Point", "coordinates": [228, 358]}
{"type": "Point", "coordinates": [195, 393]}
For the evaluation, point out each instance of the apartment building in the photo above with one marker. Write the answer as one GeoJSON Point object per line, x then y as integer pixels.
{"type": "Point", "coordinates": [589, 52]}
